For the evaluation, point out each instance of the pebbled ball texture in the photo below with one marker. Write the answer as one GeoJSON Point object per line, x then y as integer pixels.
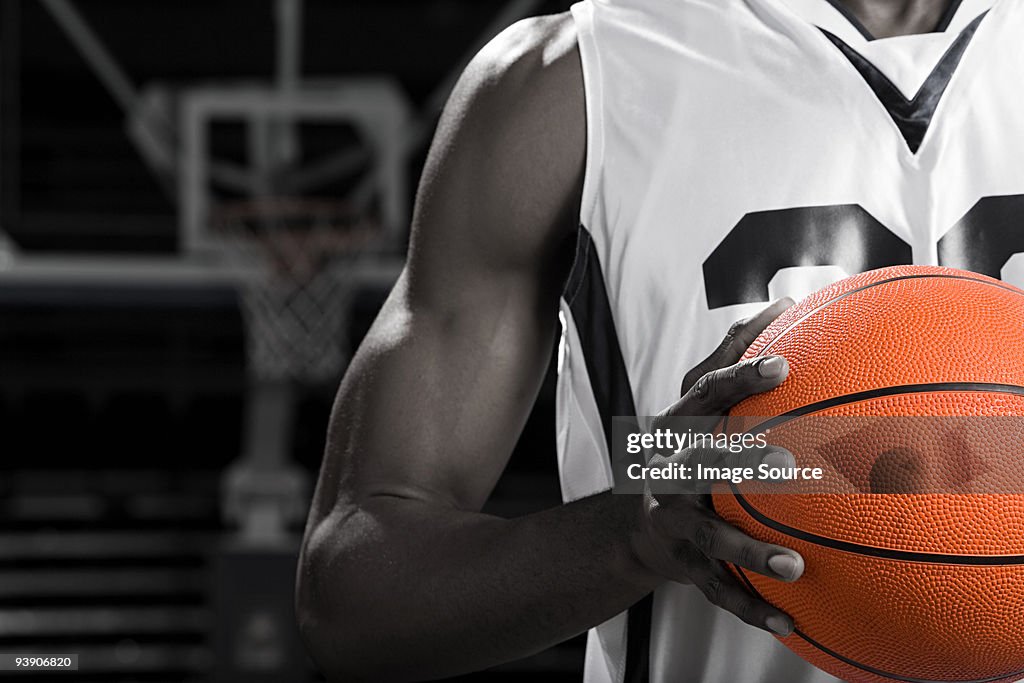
{"type": "Point", "coordinates": [914, 564]}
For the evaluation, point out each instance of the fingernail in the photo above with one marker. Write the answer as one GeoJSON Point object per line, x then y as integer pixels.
{"type": "Point", "coordinates": [777, 458]}
{"type": "Point", "coordinates": [779, 625]}
{"type": "Point", "coordinates": [784, 566]}
{"type": "Point", "coordinates": [772, 367]}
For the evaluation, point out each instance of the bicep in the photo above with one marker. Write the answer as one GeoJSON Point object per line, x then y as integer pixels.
{"type": "Point", "coordinates": [435, 400]}
{"type": "Point", "coordinates": [443, 384]}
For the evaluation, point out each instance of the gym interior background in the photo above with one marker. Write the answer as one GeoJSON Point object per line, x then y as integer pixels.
{"type": "Point", "coordinates": [157, 465]}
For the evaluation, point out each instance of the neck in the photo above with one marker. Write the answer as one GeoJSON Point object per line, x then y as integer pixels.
{"type": "Point", "coordinates": [887, 18]}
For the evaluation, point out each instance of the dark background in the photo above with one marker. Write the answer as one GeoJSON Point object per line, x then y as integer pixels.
{"type": "Point", "coordinates": [120, 409]}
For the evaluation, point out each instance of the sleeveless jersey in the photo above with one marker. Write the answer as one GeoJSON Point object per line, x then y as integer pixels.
{"type": "Point", "coordinates": [744, 150]}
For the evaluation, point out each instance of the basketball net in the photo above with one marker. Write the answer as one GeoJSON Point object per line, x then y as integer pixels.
{"type": "Point", "coordinates": [296, 300]}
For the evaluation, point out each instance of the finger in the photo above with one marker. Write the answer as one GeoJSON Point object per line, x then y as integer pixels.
{"type": "Point", "coordinates": [722, 589]}
{"type": "Point", "coordinates": [703, 464]}
{"type": "Point", "coordinates": [727, 460]}
{"type": "Point", "coordinates": [736, 342]}
{"type": "Point", "coordinates": [716, 539]}
{"type": "Point", "coordinates": [718, 391]}
{"type": "Point", "coordinates": [760, 322]}
{"type": "Point", "coordinates": [681, 490]}
{"type": "Point", "coordinates": [699, 463]}
{"type": "Point", "coordinates": [714, 394]}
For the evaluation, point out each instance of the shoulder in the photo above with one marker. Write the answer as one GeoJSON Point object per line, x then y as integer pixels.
{"type": "Point", "coordinates": [525, 86]}
{"type": "Point", "coordinates": [514, 131]}
{"type": "Point", "coordinates": [530, 57]}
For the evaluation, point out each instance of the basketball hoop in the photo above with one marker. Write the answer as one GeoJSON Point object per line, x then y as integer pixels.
{"type": "Point", "coordinates": [295, 302]}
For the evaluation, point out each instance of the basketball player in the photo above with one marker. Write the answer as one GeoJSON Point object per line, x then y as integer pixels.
{"type": "Point", "coordinates": [691, 160]}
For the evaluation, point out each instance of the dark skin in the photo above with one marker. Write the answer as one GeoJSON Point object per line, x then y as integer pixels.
{"type": "Point", "coordinates": [888, 18]}
{"type": "Point", "coordinates": [401, 576]}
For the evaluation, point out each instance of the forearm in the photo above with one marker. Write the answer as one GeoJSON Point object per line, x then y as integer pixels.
{"type": "Point", "coordinates": [403, 590]}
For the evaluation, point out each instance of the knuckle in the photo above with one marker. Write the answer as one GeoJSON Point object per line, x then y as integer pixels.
{"type": "Point", "coordinates": [712, 589]}
{"type": "Point", "coordinates": [706, 537]}
{"type": "Point", "coordinates": [744, 338]}
{"type": "Point", "coordinates": [705, 457]}
{"type": "Point", "coordinates": [736, 329]}
{"type": "Point", "coordinates": [749, 555]}
{"type": "Point", "coordinates": [747, 373]}
{"type": "Point", "coordinates": [743, 607]}
{"type": "Point", "coordinates": [688, 457]}
{"type": "Point", "coordinates": [690, 379]}
{"type": "Point", "coordinates": [751, 365]}
{"type": "Point", "coordinates": [657, 460]}
{"type": "Point", "coordinates": [741, 342]}
{"type": "Point", "coordinates": [705, 388]}
{"type": "Point", "coordinates": [737, 373]}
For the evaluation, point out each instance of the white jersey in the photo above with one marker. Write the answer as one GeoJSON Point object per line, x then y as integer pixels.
{"type": "Point", "coordinates": [744, 150]}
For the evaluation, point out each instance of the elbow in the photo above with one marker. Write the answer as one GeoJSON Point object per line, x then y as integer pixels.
{"type": "Point", "coordinates": [327, 612]}
{"type": "Point", "coordinates": [314, 621]}
{"type": "Point", "coordinates": [325, 632]}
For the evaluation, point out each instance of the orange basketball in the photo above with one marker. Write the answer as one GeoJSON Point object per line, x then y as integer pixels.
{"type": "Point", "coordinates": [904, 586]}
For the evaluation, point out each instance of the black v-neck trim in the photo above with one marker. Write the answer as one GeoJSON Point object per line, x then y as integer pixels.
{"type": "Point", "coordinates": [947, 18]}
{"type": "Point", "coordinates": [944, 21]}
{"type": "Point", "coordinates": [912, 117]}
{"type": "Point", "coordinates": [852, 18]}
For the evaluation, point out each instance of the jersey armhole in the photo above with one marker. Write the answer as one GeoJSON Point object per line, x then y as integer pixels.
{"type": "Point", "coordinates": [583, 16]}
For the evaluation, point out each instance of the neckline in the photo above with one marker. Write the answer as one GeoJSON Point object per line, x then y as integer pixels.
{"type": "Point", "coordinates": [836, 17]}
{"type": "Point", "coordinates": [944, 21]}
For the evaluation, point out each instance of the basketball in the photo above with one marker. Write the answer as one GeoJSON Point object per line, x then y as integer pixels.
{"type": "Point", "coordinates": [911, 574]}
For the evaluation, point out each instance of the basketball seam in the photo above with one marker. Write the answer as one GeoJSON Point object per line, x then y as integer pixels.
{"type": "Point", "coordinates": [872, 551]}
{"type": "Point", "coordinates": [840, 297]}
{"type": "Point", "coordinates": [884, 392]}
{"type": "Point", "coordinates": [864, 667]}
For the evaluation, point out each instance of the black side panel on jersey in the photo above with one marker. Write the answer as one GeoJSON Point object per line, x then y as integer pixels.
{"type": "Point", "coordinates": [587, 296]}
{"type": "Point", "coordinates": [912, 117]}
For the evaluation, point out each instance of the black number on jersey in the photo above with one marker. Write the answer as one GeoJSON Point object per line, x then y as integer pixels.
{"type": "Point", "coordinates": [986, 238]}
{"type": "Point", "coordinates": [742, 266]}
{"type": "Point", "coordinates": [763, 243]}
